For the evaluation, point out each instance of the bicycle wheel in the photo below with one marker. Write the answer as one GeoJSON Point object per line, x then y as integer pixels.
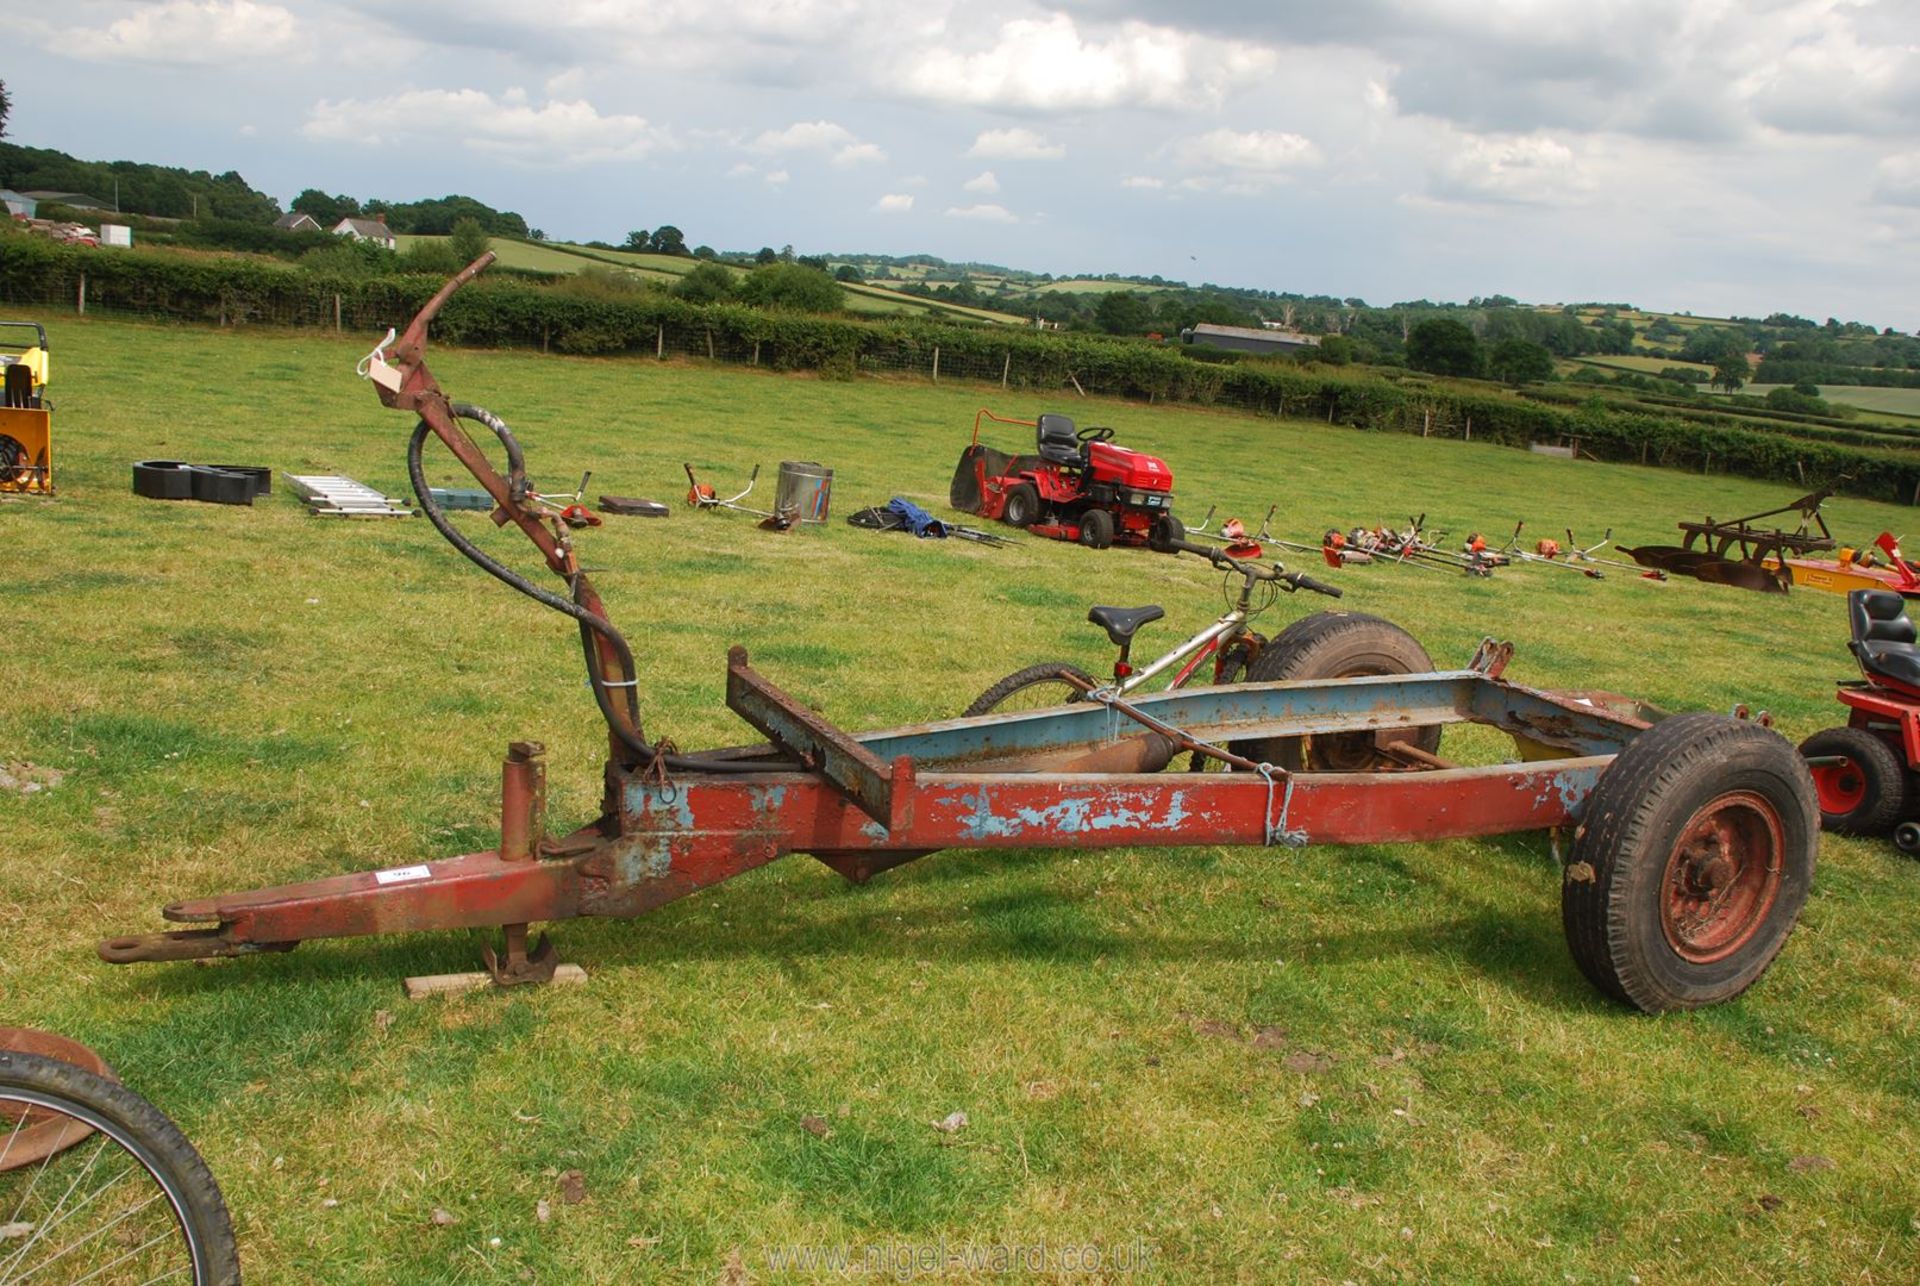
{"type": "Point", "coordinates": [1034, 688]}
{"type": "Point", "coordinates": [97, 1185]}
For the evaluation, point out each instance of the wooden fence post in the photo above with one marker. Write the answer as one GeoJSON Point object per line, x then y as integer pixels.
{"type": "Point", "coordinates": [709, 343]}
{"type": "Point", "coordinates": [660, 342]}
{"type": "Point", "coordinates": [756, 353]}
{"type": "Point", "coordinates": [1006, 367]}
{"type": "Point", "coordinates": [936, 363]}
{"type": "Point", "coordinates": [1469, 427]}
{"type": "Point", "coordinates": [81, 306]}
{"type": "Point", "coordinates": [336, 311]}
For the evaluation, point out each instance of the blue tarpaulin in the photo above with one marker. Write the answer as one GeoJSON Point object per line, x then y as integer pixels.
{"type": "Point", "coordinates": [915, 519]}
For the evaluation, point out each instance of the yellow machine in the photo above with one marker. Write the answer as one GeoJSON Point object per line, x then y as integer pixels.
{"type": "Point", "coordinates": [26, 417]}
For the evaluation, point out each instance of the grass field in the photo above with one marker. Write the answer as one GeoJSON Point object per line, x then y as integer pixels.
{"type": "Point", "coordinates": [1642, 365]}
{"type": "Point", "coordinates": [1883, 401]}
{"type": "Point", "coordinates": [561, 257]}
{"type": "Point", "coordinates": [1368, 1064]}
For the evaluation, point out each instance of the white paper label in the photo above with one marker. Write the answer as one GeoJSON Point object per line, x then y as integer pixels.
{"type": "Point", "coordinates": [383, 375]}
{"type": "Point", "coordinates": [401, 875]}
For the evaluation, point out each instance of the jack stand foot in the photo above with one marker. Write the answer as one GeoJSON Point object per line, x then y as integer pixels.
{"type": "Point", "coordinates": [517, 966]}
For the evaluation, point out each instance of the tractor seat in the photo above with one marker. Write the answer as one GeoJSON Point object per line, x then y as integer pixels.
{"type": "Point", "coordinates": [1883, 637]}
{"type": "Point", "coordinates": [1121, 622]}
{"type": "Point", "coordinates": [1057, 442]}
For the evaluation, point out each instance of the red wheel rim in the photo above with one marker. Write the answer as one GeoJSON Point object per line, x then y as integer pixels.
{"type": "Point", "coordinates": [1723, 877]}
{"type": "Point", "coordinates": [1840, 787]}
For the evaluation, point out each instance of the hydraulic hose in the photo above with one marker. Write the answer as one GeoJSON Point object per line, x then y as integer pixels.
{"type": "Point", "coordinates": [591, 623]}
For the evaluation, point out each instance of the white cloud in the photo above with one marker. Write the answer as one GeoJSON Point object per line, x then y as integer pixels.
{"type": "Point", "coordinates": [211, 32]}
{"type": "Point", "coordinates": [1015, 144]}
{"type": "Point", "coordinates": [1527, 170]}
{"type": "Point", "coordinates": [1898, 180]}
{"type": "Point", "coordinates": [777, 177]}
{"type": "Point", "coordinates": [741, 170]}
{"type": "Point", "coordinates": [984, 213]}
{"type": "Point", "coordinates": [1270, 152]}
{"type": "Point", "coordinates": [818, 136]}
{"type": "Point", "coordinates": [805, 136]}
{"type": "Point", "coordinates": [894, 203]}
{"type": "Point", "coordinates": [982, 182]}
{"type": "Point", "coordinates": [1045, 64]}
{"type": "Point", "coordinates": [1142, 181]}
{"type": "Point", "coordinates": [508, 127]}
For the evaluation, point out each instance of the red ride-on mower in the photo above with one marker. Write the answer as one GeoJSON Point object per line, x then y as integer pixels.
{"type": "Point", "coordinates": [1863, 773]}
{"type": "Point", "coordinates": [1078, 486]}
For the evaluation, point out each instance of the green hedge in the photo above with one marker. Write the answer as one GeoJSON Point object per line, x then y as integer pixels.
{"type": "Point", "coordinates": [508, 313]}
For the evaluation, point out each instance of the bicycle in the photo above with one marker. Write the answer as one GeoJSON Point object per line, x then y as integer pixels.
{"type": "Point", "coordinates": [96, 1184]}
{"type": "Point", "coordinates": [1324, 645]}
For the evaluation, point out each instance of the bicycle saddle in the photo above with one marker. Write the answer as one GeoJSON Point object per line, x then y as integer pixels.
{"type": "Point", "coordinates": [1121, 622]}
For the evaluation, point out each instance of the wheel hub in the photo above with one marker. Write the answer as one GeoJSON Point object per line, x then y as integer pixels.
{"type": "Point", "coordinates": [1722, 877]}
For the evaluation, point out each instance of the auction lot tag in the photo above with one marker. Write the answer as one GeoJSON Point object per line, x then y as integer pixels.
{"type": "Point", "coordinates": [401, 875]}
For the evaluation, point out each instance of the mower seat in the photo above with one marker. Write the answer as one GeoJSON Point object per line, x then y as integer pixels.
{"type": "Point", "coordinates": [1121, 622]}
{"type": "Point", "coordinates": [1883, 637]}
{"type": "Point", "coordinates": [1057, 442]}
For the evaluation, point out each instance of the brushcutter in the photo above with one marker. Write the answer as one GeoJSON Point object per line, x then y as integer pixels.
{"type": "Point", "coordinates": [1576, 553]}
{"type": "Point", "coordinates": [701, 495]}
{"type": "Point", "coordinates": [1546, 552]}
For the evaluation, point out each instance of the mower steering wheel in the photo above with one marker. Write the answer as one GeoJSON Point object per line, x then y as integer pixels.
{"type": "Point", "coordinates": [1092, 434]}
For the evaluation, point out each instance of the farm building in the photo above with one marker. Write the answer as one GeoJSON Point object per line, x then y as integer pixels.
{"type": "Point", "coordinates": [297, 222]}
{"type": "Point", "coordinates": [72, 200]}
{"type": "Point", "coordinates": [374, 230]}
{"type": "Point", "coordinates": [1246, 340]}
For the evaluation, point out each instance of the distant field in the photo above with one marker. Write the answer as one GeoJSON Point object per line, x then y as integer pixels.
{"type": "Point", "coordinates": [1885, 401]}
{"type": "Point", "coordinates": [1651, 365]}
{"type": "Point", "coordinates": [563, 257]}
{"type": "Point", "coordinates": [1088, 286]}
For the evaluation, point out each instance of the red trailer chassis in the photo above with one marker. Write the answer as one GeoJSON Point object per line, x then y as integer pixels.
{"type": "Point", "coordinates": [1705, 865]}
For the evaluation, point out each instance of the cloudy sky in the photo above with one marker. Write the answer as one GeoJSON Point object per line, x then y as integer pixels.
{"type": "Point", "coordinates": [1711, 155]}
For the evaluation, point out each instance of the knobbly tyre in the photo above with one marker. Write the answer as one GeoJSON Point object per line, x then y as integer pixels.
{"type": "Point", "coordinates": [1693, 837]}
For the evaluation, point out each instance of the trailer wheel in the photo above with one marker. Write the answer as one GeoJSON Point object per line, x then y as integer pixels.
{"type": "Point", "coordinates": [1096, 529]}
{"type": "Point", "coordinates": [1023, 505]}
{"type": "Point", "coordinates": [1906, 838]}
{"type": "Point", "coordinates": [1034, 688]}
{"type": "Point", "coordinates": [1338, 645]}
{"type": "Point", "coordinates": [1864, 793]}
{"type": "Point", "coordinates": [1166, 532]}
{"type": "Point", "coordinates": [1691, 864]}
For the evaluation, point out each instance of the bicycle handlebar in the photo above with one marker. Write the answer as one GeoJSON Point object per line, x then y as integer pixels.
{"type": "Point", "coordinates": [1290, 581]}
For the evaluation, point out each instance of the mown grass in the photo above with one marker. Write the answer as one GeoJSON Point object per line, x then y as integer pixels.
{"type": "Point", "coordinates": [1328, 1064]}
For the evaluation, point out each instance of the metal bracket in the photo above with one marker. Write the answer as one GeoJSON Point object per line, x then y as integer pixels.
{"type": "Point", "coordinates": [847, 765]}
{"type": "Point", "coordinates": [1491, 658]}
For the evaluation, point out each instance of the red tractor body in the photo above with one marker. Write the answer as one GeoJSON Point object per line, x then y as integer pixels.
{"type": "Point", "coordinates": [1077, 485]}
{"type": "Point", "coordinates": [1867, 773]}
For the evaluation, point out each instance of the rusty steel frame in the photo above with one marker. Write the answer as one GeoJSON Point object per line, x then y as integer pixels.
{"type": "Point", "coordinates": [1073, 777]}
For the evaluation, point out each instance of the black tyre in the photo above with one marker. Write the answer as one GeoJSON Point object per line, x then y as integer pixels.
{"type": "Point", "coordinates": [1166, 532]}
{"type": "Point", "coordinates": [1691, 863]}
{"type": "Point", "coordinates": [1096, 529]}
{"type": "Point", "coordinates": [163, 480]}
{"type": "Point", "coordinates": [1865, 793]}
{"type": "Point", "coordinates": [151, 1209]}
{"type": "Point", "coordinates": [219, 487]}
{"type": "Point", "coordinates": [1338, 645]}
{"type": "Point", "coordinates": [1906, 838]}
{"type": "Point", "coordinates": [1034, 688]}
{"type": "Point", "coordinates": [1023, 505]}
